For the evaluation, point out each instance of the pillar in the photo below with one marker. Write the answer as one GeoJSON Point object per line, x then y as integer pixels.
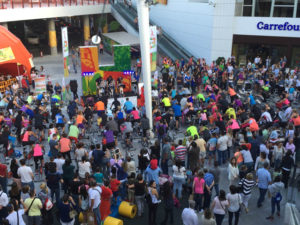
{"type": "Point", "coordinates": [4, 25]}
{"type": "Point", "coordinates": [86, 28]}
{"type": "Point", "coordinates": [144, 33]}
{"type": "Point", "coordinates": [52, 37]}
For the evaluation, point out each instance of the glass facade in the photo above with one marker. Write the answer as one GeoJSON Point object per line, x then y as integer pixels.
{"type": "Point", "coordinates": [268, 8]}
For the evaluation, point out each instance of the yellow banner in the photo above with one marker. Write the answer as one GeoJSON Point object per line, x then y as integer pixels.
{"type": "Point", "coordinates": [52, 38]}
{"type": "Point", "coordinates": [6, 54]}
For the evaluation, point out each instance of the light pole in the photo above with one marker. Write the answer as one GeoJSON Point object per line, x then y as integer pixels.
{"type": "Point", "coordinates": [144, 33]}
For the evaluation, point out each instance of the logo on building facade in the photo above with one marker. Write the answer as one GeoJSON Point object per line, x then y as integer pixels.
{"type": "Point", "coordinates": [286, 26]}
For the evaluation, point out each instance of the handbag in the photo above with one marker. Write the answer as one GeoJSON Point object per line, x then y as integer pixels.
{"type": "Point", "coordinates": [73, 213]}
{"type": "Point", "coordinates": [25, 215]}
{"type": "Point", "coordinates": [48, 204]}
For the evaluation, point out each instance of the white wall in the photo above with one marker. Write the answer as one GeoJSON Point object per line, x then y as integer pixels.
{"type": "Point", "coordinates": [189, 23]}
{"type": "Point", "coordinates": [19, 14]}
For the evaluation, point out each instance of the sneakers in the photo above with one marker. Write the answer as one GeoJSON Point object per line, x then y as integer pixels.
{"type": "Point", "coordinates": [246, 210]}
{"type": "Point", "coordinates": [270, 218]}
{"type": "Point", "coordinates": [278, 214]}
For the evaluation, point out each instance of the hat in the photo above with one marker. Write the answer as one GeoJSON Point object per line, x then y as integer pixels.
{"type": "Point", "coordinates": [153, 164]}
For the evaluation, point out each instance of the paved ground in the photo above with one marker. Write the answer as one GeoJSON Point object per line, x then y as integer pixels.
{"type": "Point", "coordinates": [54, 68]}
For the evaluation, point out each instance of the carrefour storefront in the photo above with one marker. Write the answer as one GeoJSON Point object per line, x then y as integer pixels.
{"type": "Point", "coordinates": [266, 36]}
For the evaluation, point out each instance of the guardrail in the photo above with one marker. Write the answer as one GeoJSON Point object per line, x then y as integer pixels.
{"type": "Point", "coordinates": [12, 4]}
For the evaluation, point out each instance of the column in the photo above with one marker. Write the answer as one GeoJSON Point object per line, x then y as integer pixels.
{"type": "Point", "coordinates": [86, 28]}
{"type": "Point", "coordinates": [144, 33]}
{"type": "Point", "coordinates": [52, 37]}
{"type": "Point", "coordinates": [4, 25]}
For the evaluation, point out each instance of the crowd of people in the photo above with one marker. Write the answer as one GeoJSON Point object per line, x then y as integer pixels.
{"type": "Point", "coordinates": [221, 110]}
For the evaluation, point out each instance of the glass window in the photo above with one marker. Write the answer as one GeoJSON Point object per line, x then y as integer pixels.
{"type": "Point", "coordinates": [262, 8]}
{"type": "Point", "coordinates": [247, 10]}
{"type": "Point", "coordinates": [283, 11]}
{"type": "Point", "coordinates": [247, 2]}
{"type": "Point", "coordinates": [284, 2]}
{"type": "Point", "coordinates": [298, 13]}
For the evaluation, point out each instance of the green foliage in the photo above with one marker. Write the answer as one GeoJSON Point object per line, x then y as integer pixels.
{"type": "Point", "coordinates": [122, 59]}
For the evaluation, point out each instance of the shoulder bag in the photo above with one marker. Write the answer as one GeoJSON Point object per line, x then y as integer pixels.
{"type": "Point", "coordinates": [26, 214]}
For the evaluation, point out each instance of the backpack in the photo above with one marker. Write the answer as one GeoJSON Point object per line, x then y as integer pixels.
{"type": "Point", "coordinates": [161, 130]}
{"type": "Point", "coordinates": [278, 197]}
{"type": "Point", "coordinates": [148, 198]}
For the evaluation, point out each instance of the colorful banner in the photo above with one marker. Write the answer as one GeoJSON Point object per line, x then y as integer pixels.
{"type": "Point", "coordinates": [65, 49]}
{"type": "Point", "coordinates": [6, 54]}
{"type": "Point", "coordinates": [40, 85]}
{"type": "Point", "coordinates": [153, 47]}
{"type": "Point", "coordinates": [89, 65]}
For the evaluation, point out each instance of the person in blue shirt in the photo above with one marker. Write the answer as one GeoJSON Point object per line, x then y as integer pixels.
{"type": "Point", "coordinates": [209, 184]}
{"type": "Point", "coordinates": [264, 179]}
{"type": "Point", "coordinates": [59, 120]}
{"type": "Point", "coordinates": [128, 106]}
{"type": "Point", "coordinates": [177, 113]}
{"type": "Point", "coordinates": [251, 100]}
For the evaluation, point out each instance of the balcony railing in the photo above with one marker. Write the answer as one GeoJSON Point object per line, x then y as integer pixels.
{"type": "Point", "coordinates": [13, 4]}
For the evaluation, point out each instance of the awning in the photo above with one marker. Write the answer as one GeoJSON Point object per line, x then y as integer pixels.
{"type": "Point", "coordinates": [123, 38]}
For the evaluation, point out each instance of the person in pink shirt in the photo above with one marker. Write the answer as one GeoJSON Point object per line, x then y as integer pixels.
{"type": "Point", "coordinates": [198, 190]}
{"type": "Point", "coordinates": [38, 155]}
{"type": "Point", "coordinates": [135, 113]}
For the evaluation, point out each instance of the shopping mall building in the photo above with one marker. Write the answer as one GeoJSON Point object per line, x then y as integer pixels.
{"type": "Point", "coordinates": [243, 28]}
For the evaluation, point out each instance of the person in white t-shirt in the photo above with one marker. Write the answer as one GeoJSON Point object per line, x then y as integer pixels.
{"type": "Point", "coordinates": [15, 217]}
{"type": "Point", "coordinates": [26, 175]}
{"type": "Point", "coordinates": [3, 204]}
{"type": "Point", "coordinates": [84, 167]}
{"type": "Point", "coordinates": [59, 163]}
{"type": "Point", "coordinates": [189, 216]}
{"type": "Point", "coordinates": [95, 200]}
{"type": "Point", "coordinates": [234, 200]}
{"type": "Point", "coordinates": [222, 146]}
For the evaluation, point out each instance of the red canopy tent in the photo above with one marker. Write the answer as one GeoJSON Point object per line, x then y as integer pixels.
{"type": "Point", "coordinates": [14, 57]}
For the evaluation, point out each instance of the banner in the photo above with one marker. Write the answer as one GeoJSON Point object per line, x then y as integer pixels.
{"type": "Point", "coordinates": [133, 99]}
{"type": "Point", "coordinates": [153, 47]}
{"type": "Point", "coordinates": [6, 54]}
{"type": "Point", "coordinates": [65, 49]}
{"type": "Point", "coordinates": [40, 85]}
{"type": "Point", "coordinates": [89, 65]}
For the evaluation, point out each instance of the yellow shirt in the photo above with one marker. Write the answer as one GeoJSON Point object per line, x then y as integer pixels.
{"type": "Point", "coordinates": [229, 112]}
{"type": "Point", "coordinates": [35, 209]}
{"type": "Point", "coordinates": [166, 101]}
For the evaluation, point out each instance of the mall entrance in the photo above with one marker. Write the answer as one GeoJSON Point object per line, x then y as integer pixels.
{"type": "Point", "coordinates": [246, 47]}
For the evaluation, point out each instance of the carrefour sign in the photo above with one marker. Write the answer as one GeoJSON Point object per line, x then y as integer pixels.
{"type": "Point", "coordinates": [285, 26]}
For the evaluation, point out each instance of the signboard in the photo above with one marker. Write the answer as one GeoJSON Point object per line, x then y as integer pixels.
{"type": "Point", "coordinates": [133, 99]}
{"type": "Point", "coordinates": [6, 54]}
{"type": "Point", "coordinates": [89, 59]}
{"type": "Point", "coordinates": [40, 85]}
{"type": "Point", "coordinates": [153, 47]}
{"type": "Point", "coordinates": [65, 49]}
{"type": "Point", "coordinates": [163, 2]}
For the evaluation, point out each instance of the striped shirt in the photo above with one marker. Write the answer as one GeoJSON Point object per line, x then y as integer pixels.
{"type": "Point", "coordinates": [180, 152]}
{"type": "Point", "coordinates": [247, 185]}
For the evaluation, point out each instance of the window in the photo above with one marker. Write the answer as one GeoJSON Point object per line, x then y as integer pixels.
{"type": "Point", "coordinates": [247, 7]}
{"type": "Point", "coordinates": [283, 8]}
{"type": "Point", "coordinates": [262, 8]}
{"type": "Point", "coordinates": [298, 10]}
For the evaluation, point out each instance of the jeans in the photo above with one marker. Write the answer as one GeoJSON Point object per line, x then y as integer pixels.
{"type": "Point", "coordinates": [3, 182]}
{"type": "Point", "coordinates": [178, 182]}
{"type": "Point", "coordinates": [198, 201]}
{"type": "Point", "coordinates": [30, 184]}
{"type": "Point", "coordinates": [273, 204]}
{"type": "Point", "coordinates": [69, 223]}
{"type": "Point", "coordinates": [236, 215]}
{"type": "Point", "coordinates": [168, 213]}
{"type": "Point", "coordinates": [262, 194]}
{"type": "Point", "coordinates": [140, 202]}
{"type": "Point", "coordinates": [216, 187]}
{"type": "Point", "coordinates": [34, 220]}
{"type": "Point", "coordinates": [207, 199]}
{"type": "Point", "coordinates": [219, 218]}
{"type": "Point", "coordinates": [55, 191]}
{"type": "Point", "coordinates": [221, 157]}
{"type": "Point", "coordinates": [152, 213]}
{"type": "Point", "coordinates": [164, 167]}
{"type": "Point", "coordinates": [97, 215]}
{"type": "Point", "coordinates": [245, 199]}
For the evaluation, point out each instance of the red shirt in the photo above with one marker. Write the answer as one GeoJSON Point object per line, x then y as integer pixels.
{"type": "Point", "coordinates": [3, 170]}
{"type": "Point", "coordinates": [114, 185]}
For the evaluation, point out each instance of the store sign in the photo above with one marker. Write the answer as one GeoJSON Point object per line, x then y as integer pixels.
{"type": "Point", "coordinates": [285, 26]}
{"type": "Point", "coordinates": [65, 49]}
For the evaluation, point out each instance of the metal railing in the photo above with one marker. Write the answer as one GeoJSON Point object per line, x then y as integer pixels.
{"type": "Point", "coordinates": [12, 4]}
{"type": "Point", "coordinates": [166, 44]}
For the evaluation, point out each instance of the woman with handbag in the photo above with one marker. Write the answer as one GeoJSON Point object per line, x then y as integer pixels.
{"type": "Point", "coordinates": [33, 206]}
{"type": "Point", "coordinates": [67, 210]}
{"type": "Point", "coordinates": [219, 207]}
{"type": "Point", "coordinates": [235, 201]}
{"type": "Point", "coordinates": [275, 195]}
{"type": "Point", "coordinates": [45, 196]}
{"type": "Point", "coordinates": [153, 203]}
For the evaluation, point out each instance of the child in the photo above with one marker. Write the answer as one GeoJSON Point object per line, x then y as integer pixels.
{"type": "Point", "coordinates": [98, 176]}
{"type": "Point", "coordinates": [243, 171]}
{"type": "Point", "coordinates": [114, 185]}
{"type": "Point", "coordinates": [249, 134]}
{"type": "Point", "coordinates": [83, 202]}
{"type": "Point", "coordinates": [211, 144]}
{"type": "Point", "coordinates": [130, 188]}
{"type": "Point", "coordinates": [25, 193]}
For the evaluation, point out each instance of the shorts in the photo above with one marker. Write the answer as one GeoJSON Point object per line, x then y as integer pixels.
{"type": "Point", "coordinates": [212, 153]}
{"type": "Point", "coordinates": [177, 118]}
{"type": "Point", "coordinates": [128, 111]}
{"type": "Point", "coordinates": [74, 138]}
{"type": "Point", "coordinates": [110, 145]}
{"type": "Point", "coordinates": [80, 125]}
{"type": "Point", "coordinates": [115, 194]}
{"type": "Point", "coordinates": [60, 125]}
{"type": "Point", "coordinates": [100, 112]}
{"type": "Point", "coordinates": [202, 155]}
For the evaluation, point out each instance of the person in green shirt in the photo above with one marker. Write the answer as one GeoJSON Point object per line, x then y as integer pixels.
{"type": "Point", "coordinates": [192, 131]}
{"type": "Point", "coordinates": [34, 213]}
{"type": "Point", "coordinates": [200, 97]}
{"type": "Point", "coordinates": [230, 112]}
{"type": "Point", "coordinates": [73, 132]}
{"type": "Point", "coordinates": [98, 176]}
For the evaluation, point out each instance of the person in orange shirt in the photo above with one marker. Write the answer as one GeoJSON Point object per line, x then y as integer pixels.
{"type": "Point", "coordinates": [99, 107]}
{"type": "Point", "coordinates": [80, 121]}
{"type": "Point", "coordinates": [232, 93]}
{"type": "Point", "coordinates": [65, 146]}
{"type": "Point", "coordinates": [239, 157]}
